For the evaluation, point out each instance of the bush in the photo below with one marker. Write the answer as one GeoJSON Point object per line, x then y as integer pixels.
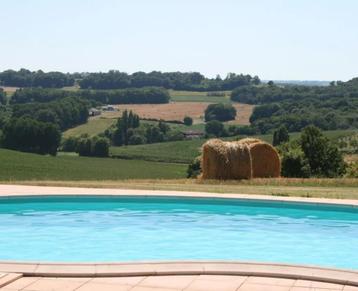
{"type": "Point", "coordinates": [70, 144]}
{"type": "Point", "coordinates": [220, 112]}
{"type": "Point", "coordinates": [188, 120]}
{"type": "Point", "coordinates": [194, 168]}
{"type": "Point", "coordinates": [137, 139]}
{"type": "Point", "coordinates": [352, 170]}
{"type": "Point", "coordinates": [295, 164]}
{"type": "Point", "coordinates": [93, 147]}
{"type": "Point", "coordinates": [214, 128]}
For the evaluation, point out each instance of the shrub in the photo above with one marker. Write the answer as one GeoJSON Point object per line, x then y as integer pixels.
{"type": "Point", "coordinates": [93, 147]}
{"type": "Point", "coordinates": [70, 144]}
{"type": "Point", "coordinates": [137, 139]}
{"type": "Point", "coordinates": [188, 120]}
{"type": "Point", "coordinates": [214, 128]}
{"type": "Point", "coordinates": [295, 164]}
{"type": "Point", "coordinates": [220, 112]}
{"type": "Point", "coordinates": [194, 168]}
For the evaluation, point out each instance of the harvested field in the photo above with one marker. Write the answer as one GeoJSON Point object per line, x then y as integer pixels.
{"type": "Point", "coordinates": [178, 110]}
{"type": "Point", "coordinates": [10, 90]}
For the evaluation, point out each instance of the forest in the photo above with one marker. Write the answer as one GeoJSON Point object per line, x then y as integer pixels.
{"type": "Point", "coordinates": [151, 95]}
{"type": "Point", "coordinates": [327, 107]}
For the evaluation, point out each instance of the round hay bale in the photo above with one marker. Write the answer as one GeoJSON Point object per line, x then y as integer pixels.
{"type": "Point", "coordinates": [265, 160]}
{"type": "Point", "coordinates": [226, 160]}
{"type": "Point", "coordinates": [249, 140]}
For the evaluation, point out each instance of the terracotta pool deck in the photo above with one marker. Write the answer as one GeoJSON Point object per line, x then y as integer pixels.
{"type": "Point", "coordinates": [171, 283]}
{"type": "Point", "coordinates": [170, 276]}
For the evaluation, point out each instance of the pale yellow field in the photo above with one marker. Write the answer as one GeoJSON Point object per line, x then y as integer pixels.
{"type": "Point", "coordinates": [178, 110]}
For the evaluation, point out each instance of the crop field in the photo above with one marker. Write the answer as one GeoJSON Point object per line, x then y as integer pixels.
{"type": "Point", "coordinates": [94, 126]}
{"type": "Point", "coordinates": [24, 166]}
{"type": "Point", "coordinates": [178, 110]}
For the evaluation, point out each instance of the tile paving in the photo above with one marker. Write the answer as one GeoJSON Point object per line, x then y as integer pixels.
{"type": "Point", "coordinates": [171, 283]}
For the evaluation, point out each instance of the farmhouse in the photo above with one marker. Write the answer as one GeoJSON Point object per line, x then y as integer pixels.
{"type": "Point", "coordinates": [191, 134]}
{"type": "Point", "coordinates": [94, 112]}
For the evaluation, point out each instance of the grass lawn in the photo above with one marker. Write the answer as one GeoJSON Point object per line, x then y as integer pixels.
{"type": "Point", "coordinates": [17, 166]}
{"type": "Point", "coordinates": [320, 188]}
{"type": "Point", "coordinates": [94, 126]}
{"type": "Point", "coordinates": [186, 151]}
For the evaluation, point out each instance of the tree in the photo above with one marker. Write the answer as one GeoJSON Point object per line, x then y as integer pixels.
{"type": "Point", "coordinates": [215, 128]}
{"type": "Point", "coordinates": [99, 147]}
{"type": "Point", "coordinates": [323, 157]}
{"type": "Point", "coordinates": [220, 112]}
{"type": "Point", "coordinates": [29, 135]}
{"type": "Point", "coordinates": [280, 136]}
{"type": "Point", "coordinates": [188, 121]}
{"type": "Point", "coordinates": [127, 121]}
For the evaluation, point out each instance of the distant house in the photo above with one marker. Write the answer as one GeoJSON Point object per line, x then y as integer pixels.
{"type": "Point", "coordinates": [191, 134]}
{"type": "Point", "coordinates": [94, 112]}
{"type": "Point", "coordinates": [108, 108]}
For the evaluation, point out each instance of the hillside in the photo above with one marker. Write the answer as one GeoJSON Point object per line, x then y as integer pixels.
{"type": "Point", "coordinates": [186, 151]}
{"type": "Point", "coordinates": [24, 166]}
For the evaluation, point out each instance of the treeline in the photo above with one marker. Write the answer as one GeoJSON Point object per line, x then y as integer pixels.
{"type": "Point", "coordinates": [26, 78]}
{"type": "Point", "coordinates": [120, 80]}
{"type": "Point", "coordinates": [65, 113]}
{"type": "Point", "coordinates": [150, 95]}
{"type": "Point", "coordinates": [173, 80]}
{"type": "Point", "coordinates": [295, 107]}
{"type": "Point", "coordinates": [273, 93]}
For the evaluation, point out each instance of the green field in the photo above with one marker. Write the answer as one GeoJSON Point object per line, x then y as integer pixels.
{"type": "Point", "coordinates": [186, 151]}
{"type": "Point", "coordinates": [93, 127]}
{"type": "Point", "coordinates": [171, 152]}
{"type": "Point", "coordinates": [17, 166]}
{"type": "Point", "coordinates": [192, 96]}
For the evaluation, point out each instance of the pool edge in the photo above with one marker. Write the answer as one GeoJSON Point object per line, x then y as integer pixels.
{"type": "Point", "coordinates": [7, 190]}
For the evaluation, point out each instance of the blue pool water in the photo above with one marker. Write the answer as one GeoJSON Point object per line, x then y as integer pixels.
{"type": "Point", "coordinates": [92, 229]}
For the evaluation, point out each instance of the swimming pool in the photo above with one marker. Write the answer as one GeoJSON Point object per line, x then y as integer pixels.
{"type": "Point", "coordinates": [106, 229]}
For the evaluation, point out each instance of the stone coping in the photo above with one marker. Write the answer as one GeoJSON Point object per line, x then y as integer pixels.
{"type": "Point", "coordinates": [20, 190]}
{"type": "Point", "coordinates": [336, 276]}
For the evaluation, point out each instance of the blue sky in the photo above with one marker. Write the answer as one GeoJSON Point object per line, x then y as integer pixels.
{"type": "Point", "coordinates": [275, 39]}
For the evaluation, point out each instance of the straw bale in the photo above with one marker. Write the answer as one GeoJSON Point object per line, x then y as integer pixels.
{"type": "Point", "coordinates": [265, 160]}
{"type": "Point", "coordinates": [244, 159]}
{"type": "Point", "coordinates": [226, 160]}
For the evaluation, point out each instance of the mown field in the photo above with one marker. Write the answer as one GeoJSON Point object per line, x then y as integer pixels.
{"type": "Point", "coordinates": [17, 166]}
{"type": "Point", "coordinates": [93, 127]}
{"type": "Point", "coordinates": [186, 151]}
{"type": "Point", "coordinates": [191, 96]}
